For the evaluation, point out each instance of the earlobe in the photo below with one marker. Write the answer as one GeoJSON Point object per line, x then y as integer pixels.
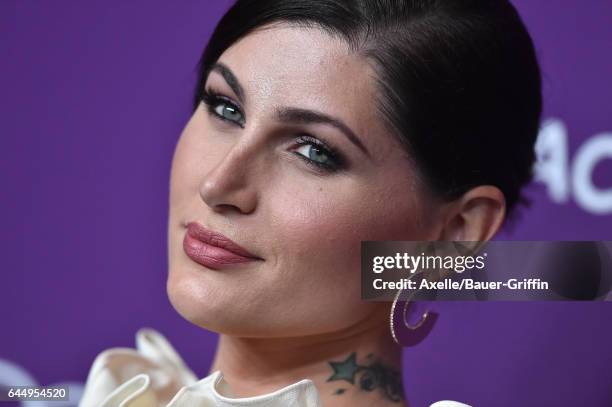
{"type": "Point", "coordinates": [476, 216]}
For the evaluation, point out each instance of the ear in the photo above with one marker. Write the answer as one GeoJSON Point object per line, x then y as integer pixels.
{"type": "Point", "coordinates": [476, 216]}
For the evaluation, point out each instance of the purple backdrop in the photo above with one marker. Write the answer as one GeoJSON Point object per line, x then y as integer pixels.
{"type": "Point", "coordinates": [95, 94]}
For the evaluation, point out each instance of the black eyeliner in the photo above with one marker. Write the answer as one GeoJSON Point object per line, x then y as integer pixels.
{"type": "Point", "coordinates": [211, 98]}
{"type": "Point", "coordinates": [338, 160]}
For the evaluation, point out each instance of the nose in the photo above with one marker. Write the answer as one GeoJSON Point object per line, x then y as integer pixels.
{"type": "Point", "coordinates": [229, 184]}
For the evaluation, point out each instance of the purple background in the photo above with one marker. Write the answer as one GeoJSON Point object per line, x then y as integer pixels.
{"type": "Point", "coordinates": [94, 96]}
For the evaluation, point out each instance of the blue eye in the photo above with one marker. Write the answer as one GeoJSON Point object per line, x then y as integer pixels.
{"type": "Point", "coordinates": [223, 108]}
{"type": "Point", "coordinates": [228, 112]}
{"type": "Point", "coordinates": [318, 154]}
{"type": "Point", "coordinates": [314, 153]}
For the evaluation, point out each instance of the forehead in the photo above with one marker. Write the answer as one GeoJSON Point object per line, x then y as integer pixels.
{"type": "Point", "coordinates": [306, 67]}
{"type": "Point", "coordinates": [284, 56]}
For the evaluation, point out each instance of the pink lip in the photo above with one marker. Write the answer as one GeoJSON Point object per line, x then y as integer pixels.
{"type": "Point", "coordinates": [212, 249]}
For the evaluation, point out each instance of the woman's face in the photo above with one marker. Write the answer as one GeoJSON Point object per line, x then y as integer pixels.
{"type": "Point", "coordinates": [246, 167]}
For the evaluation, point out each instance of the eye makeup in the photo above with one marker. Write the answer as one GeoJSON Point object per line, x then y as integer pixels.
{"type": "Point", "coordinates": [222, 107]}
{"type": "Point", "coordinates": [335, 161]}
{"type": "Point", "coordinates": [225, 109]}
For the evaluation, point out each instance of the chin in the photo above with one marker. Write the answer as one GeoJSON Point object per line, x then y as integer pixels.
{"type": "Point", "coordinates": [214, 309]}
{"type": "Point", "coordinates": [221, 303]}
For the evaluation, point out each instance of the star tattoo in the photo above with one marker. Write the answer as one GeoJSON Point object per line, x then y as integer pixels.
{"type": "Point", "coordinates": [345, 370]}
{"type": "Point", "coordinates": [373, 375]}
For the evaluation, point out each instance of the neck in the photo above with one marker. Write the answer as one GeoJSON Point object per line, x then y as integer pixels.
{"type": "Point", "coordinates": [360, 365]}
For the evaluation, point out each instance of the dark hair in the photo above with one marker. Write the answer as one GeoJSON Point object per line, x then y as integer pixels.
{"type": "Point", "coordinates": [459, 80]}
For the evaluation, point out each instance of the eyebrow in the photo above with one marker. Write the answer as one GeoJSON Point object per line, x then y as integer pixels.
{"type": "Point", "coordinates": [292, 114]}
{"type": "Point", "coordinates": [230, 78]}
{"type": "Point", "coordinates": [305, 116]}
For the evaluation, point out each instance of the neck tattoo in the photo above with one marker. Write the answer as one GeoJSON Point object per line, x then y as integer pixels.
{"type": "Point", "coordinates": [373, 375]}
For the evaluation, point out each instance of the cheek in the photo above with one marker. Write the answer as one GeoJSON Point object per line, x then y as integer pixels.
{"type": "Point", "coordinates": [186, 162]}
{"type": "Point", "coordinates": [318, 234]}
{"type": "Point", "coordinates": [314, 226]}
{"type": "Point", "coordinates": [193, 156]}
{"type": "Point", "coordinates": [328, 223]}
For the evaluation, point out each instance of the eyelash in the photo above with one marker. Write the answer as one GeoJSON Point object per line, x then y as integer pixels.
{"type": "Point", "coordinates": [212, 99]}
{"type": "Point", "coordinates": [334, 156]}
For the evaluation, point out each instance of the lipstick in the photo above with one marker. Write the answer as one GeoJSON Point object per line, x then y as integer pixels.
{"type": "Point", "coordinates": [212, 249]}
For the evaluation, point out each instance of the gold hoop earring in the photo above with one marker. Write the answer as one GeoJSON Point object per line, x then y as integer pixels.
{"type": "Point", "coordinates": [404, 319]}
